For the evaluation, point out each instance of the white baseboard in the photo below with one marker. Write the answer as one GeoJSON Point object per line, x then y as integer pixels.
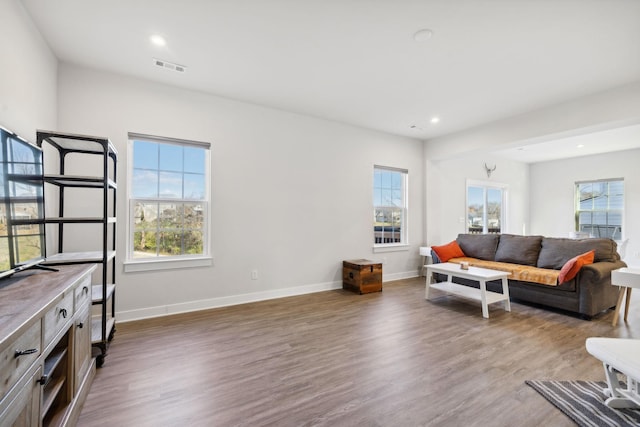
{"type": "Point", "coordinates": [189, 306]}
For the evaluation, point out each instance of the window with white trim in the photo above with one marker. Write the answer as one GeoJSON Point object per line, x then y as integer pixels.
{"type": "Point", "coordinates": [168, 198]}
{"type": "Point", "coordinates": [599, 207]}
{"type": "Point", "coordinates": [389, 206]}
{"type": "Point", "coordinates": [486, 207]}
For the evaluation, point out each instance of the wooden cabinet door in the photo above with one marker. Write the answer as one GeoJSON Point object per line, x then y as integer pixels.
{"type": "Point", "coordinates": [21, 408]}
{"type": "Point", "coordinates": [82, 347]}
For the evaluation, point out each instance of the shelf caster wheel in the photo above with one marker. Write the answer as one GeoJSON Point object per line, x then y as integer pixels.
{"type": "Point", "coordinates": [100, 361]}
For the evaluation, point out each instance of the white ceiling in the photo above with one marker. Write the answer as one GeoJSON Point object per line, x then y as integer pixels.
{"type": "Point", "coordinates": [618, 139]}
{"type": "Point", "coordinates": [355, 61]}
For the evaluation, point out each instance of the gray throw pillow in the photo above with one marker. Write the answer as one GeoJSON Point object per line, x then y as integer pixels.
{"type": "Point", "coordinates": [481, 246]}
{"type": "Point", "coordinates": [523, 250]}
{"type": "Point", "coordinates": [556, 252]}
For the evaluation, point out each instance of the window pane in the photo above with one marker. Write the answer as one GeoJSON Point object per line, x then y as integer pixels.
{"type": "Point", "coordinates": [145, 155]}
{"type": "Point", "coordinates": [171, 157]}
{"type": "Point", "coordinates": [386, 197]}
{"type": "Point", "coordinates": [396, 199]}
{"type": "Point", "coordinates": [145, 215]}
{"type": "Point", "coordinates": [194, 214]}
{"type": "Point", "coordinates": [170, 215]}
{"type": "Point", "coordinates": [475, 209]}
{"type": "Point", "coordinates": [600, 202]}
{"type": "Point", "coordinates": [377, 178]}
{"type": "Point", "coordinates": [170, 185]}
{"type": "Point", "coordinates": [194, 186]}
{"type": "Point", "coordinates": [144, 244]}
{"type": "Point", "coordinates": [170, 243]}
{"type": "Point", "coordinates": [194, 160]}
{"type": "Point", "coordinates": [494, 209]}
{"type": "Point", "coordinates": [386, 179]}
{"type": "Point", "coordinates": [145, 183]}
{"type": "Point", "coordinates": [193, 241]}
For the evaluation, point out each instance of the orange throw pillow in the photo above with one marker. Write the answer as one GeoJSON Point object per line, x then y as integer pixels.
{"type": "Point", "coordinates": [571, 267]}
{"type": "Point", "coordinates": [448, 251]}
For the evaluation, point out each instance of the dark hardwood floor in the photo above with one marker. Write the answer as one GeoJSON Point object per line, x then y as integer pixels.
{"type": "Point", "coordinates": [341, 359]}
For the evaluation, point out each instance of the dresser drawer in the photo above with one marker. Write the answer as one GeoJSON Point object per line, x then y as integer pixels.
{"type": "Point", "coordinates": [57, 318]}
{"type": "Point", "coordinates": [83, 294]}
{"type": "Point", "coordinates": [19, 356]}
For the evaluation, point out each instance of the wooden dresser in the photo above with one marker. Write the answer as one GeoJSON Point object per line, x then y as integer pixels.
{"type": "Point", "coordinates": [46, 368]}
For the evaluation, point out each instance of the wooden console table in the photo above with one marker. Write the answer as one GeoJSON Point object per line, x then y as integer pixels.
{"type": "Point", "coordinates": [45, 346]}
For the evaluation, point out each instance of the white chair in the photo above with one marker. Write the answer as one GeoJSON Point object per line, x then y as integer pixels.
{"type": "Point", "coordinates": [622, 247]}
{"type": "Point", "coordinates": [619, 356]}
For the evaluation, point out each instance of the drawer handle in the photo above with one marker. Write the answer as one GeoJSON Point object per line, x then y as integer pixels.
{"type": "Point", "coordinates": [43, 380]}
{"type": "Point", "coordinates": [85, 289]}
{"type": "Point", "coordinates": [80, 325]}
{"type": "Point", "coordinates": [63, 312]}
{"type": "Point", "coordinates": [19, 353]}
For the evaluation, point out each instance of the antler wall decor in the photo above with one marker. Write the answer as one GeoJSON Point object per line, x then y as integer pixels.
{"type": "Point", "coordinates": [489, 170]}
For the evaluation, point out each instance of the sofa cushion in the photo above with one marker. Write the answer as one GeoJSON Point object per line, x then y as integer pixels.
{"type": "Point", "coordinates": [523, 250]}
{"type": "Point", "coordinates": [570, 269]}
{"type": "Point", "coordinates": [555, 252]}
{"type": "Point", "coordinates": [481, 246]}
{"type": "Point", "coordinates": [448, 251]}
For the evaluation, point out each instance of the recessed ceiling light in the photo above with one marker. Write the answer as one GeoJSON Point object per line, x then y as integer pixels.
{"type": "Point", "coordinates": [423, 35]}
{"type": "Point", "coordinates": [435, 120]}
{"type": "Point", "coordinates": [580, 145]}
{"type": "Point", "coordinates": [158, 40]}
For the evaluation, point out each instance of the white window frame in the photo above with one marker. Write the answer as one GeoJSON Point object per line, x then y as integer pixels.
{"type": "Point", "coordinates": [403, 245]}
{"type": "Point", "coordinates": [486, 185]}
{"type": "Point", "coordinates": [577, 210]}
{"type": "Point", "coordinates": [167, 262]}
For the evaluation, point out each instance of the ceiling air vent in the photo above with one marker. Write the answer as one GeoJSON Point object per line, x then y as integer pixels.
{"type": "Point", "coordinates": [169, 65]}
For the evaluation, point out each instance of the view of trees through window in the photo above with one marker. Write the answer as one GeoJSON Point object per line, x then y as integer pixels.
{"type": "Point", "coordinates": [168, 199]}
{"type": "Point", "coordinates": [599, 207]}
{"type": "Point", "coordinates": [484, 209]}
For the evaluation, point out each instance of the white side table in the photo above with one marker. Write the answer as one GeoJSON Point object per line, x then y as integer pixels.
{"type": "Point", "coordinates": [626, 278]}
{"type": "Point", "coordinates": [425, 253]}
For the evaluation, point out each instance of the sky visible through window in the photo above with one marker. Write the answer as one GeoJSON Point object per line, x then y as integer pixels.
{"type": "Point", "coordinates": [168, 171]}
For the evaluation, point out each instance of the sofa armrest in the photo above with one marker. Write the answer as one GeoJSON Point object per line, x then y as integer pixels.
{"type": "Point", "coordinates": [599, 270]}
{"type": "Point", "coordinates": [593, 284]}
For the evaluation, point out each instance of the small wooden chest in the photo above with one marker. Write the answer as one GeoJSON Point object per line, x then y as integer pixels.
{"type": "Point", "coordinates": [362, 276]}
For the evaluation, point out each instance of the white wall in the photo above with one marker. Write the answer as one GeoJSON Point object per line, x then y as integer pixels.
{"type": "Point", "coordinates": [552, 193]}
{"type": "Point", "coordinates": [28, 73]}
{"type": "Point", "coordinates": [446, 194]}
{"type": "Point", "coordinates": [292, 195]}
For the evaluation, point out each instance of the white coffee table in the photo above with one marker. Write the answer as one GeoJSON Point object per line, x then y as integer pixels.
{"type": "Point", "coordinates": [626, 278]}
{"type": "Point", "coordinates": [481, 275]}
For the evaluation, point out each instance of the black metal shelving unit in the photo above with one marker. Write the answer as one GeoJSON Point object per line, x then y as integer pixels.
{"type": "Point", "coordinates": [71, 150]}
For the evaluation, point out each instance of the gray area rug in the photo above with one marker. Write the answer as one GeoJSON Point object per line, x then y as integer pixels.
{"type": "Point", "coordinates": [583, 402]}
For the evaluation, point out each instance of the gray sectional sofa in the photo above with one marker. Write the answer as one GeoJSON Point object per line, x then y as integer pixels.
{"type": "Point", "coordinates": [586, 295]}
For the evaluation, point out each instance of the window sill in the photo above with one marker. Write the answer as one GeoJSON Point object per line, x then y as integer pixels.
{"type": "Point", "coordinates": [132, 266]}
{"type": "Point", "coordinates": [390, 248]}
